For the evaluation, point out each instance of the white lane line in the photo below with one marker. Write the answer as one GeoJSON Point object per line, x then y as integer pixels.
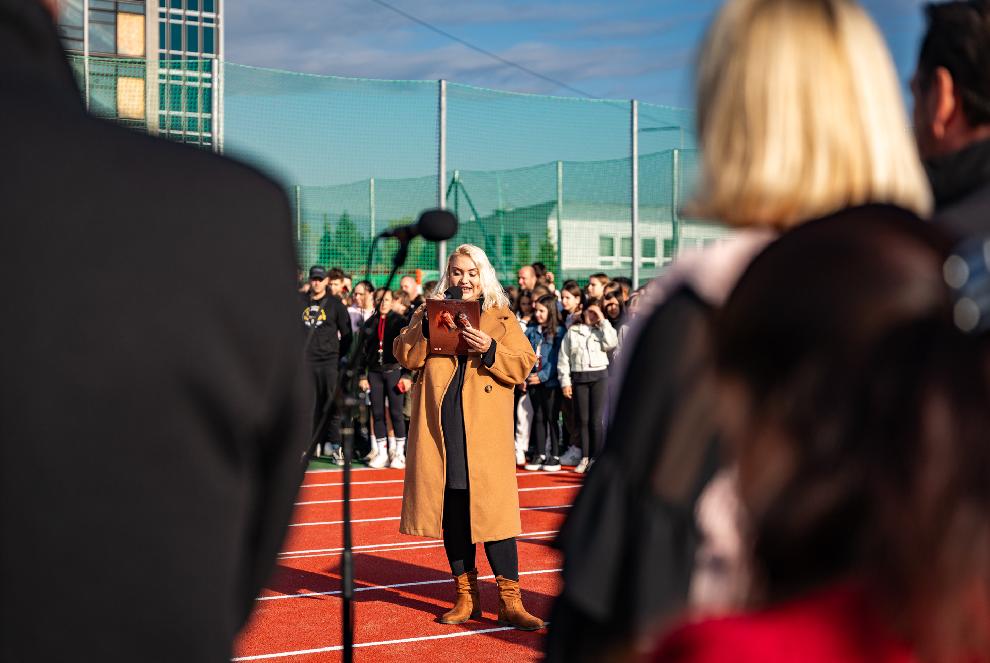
{"type": "Point", "coordinates": [399, 497]}
{"type": "Point", "coordinates": [419, 547]}
{"type": "Point", "coordinates": [369, 483]}
{"type": "Point", "coordinates": [304, 652]}
{"type": "Point", "coordinates": [384, 547]}
{"type": "Point", "coordinates": [378, 520]}
{"type": "Point", "coordinates": [371, 588]}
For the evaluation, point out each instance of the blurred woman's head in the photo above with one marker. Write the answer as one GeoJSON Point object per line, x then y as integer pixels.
{"type": "Point", "coordinates": [799, 115]}
{"type": "Point", "coordinates": [923, 422]}
{"type": "Point", "coordinates": [795, 347]}
{"type": "Point", "coordinates": [546, 315]}
{"type": "Point", "coordinates": [572, 297]}
{"type": "Point", "coordinates": [469, 269]}
{"type": "Point", "coordinates": [400, 302]}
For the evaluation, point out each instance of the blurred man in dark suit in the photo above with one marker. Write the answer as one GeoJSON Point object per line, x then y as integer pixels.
{"type": "Point", "coordinates": [152, 416]}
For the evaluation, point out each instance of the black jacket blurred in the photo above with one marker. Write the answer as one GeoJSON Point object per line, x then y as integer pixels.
{"type": "Point", "coordinates": [152, 406]}
{"type": "Point", "coordinates": [961, 186]}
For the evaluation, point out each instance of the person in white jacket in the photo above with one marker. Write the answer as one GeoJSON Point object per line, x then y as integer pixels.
{"type": "Point", "coordinates": [582, 369]}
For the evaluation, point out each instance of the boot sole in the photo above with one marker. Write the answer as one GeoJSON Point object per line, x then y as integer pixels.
{"type": "Point", "coordinates": [452, 623]}
{"type": "Point", "coordinates": [520, 628]}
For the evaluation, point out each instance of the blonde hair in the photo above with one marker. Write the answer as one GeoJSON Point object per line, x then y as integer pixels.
{"type": "Point", "coordinates": [491, 290]}
{"type": "Point", "coordinates": [800, 115]}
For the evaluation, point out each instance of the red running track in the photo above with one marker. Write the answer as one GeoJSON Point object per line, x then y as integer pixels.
{"type": "Point", "coordinates": [402, 583]}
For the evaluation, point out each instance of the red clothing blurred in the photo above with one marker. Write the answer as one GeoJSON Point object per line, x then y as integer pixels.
{"type": "Point", "coordinates": [835, 625]}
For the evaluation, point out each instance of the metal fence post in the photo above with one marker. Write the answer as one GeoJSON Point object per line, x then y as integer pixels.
{"type": "Point", "coordinates": [634, 174]}
{"type": "Point", "coordinates": [675, 203]}
{"type": "Point", "coordinates": [298, 198]}
{"type": "Point", "coordinates": [442, 169]}
{"type": "Point", "coordinates": [560, 221]}
{"type": "Point", "coordinates": [371, 205]}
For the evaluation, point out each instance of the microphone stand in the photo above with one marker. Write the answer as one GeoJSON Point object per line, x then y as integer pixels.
{"type": "Point", "coordinates": [349, 388]}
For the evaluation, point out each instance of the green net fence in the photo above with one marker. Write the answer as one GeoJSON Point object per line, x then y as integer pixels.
{"type": "Point", "coordinates": [531, 178]}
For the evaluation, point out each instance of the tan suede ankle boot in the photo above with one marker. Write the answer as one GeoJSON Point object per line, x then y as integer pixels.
{"type": "Point", "coordinates": [510, 608]}
{"type": "Point", "coordinates": [468, 603]}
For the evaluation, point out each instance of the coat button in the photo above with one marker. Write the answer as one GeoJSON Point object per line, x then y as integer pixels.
{"type": "Point", "coordinates": [488, 389]}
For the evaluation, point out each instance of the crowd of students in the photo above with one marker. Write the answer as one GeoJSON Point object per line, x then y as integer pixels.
{"type": "Point", "coordinates": [560, 413]}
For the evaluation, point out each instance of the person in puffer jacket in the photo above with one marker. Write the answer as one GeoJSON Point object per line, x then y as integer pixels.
{"type": "Point", "coordinates": [582, 368]}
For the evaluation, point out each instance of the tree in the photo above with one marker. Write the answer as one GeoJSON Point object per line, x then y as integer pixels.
{"type": "Point", "coordinates": [523, 256]}
{"type": "Point", "coordinates": [342, 246]}
{"type": "Point", "coordinates": [547, 254]}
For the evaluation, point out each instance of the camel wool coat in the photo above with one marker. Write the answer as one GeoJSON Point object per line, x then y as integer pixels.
{"type": "Point", "coordinates": [487, 400]}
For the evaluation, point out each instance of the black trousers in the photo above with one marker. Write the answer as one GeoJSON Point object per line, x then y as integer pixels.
{"type": "Point", "coordinates": [384, 388]}
{"type": "Point", "coordinates": [546, 414]}
{"type": "Point", "coordinates": [589, 409]}
{"type": "Point", "coordinates": [502, 555]}
{"type": "Point", "coordinates": [326, 414]}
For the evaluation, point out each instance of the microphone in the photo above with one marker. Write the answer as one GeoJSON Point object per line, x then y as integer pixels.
{"type": "Point", "coordinates": [434, 225]}
{"type": "Point", "coordinates": [453, 292]}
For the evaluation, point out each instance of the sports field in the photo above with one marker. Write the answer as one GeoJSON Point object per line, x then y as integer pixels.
{"type": "Point", "coordinates": [402, 583]}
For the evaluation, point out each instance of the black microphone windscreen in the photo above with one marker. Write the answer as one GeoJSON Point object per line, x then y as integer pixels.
{"type": "Point", "coordinates": [453, 292]}
{"type": "Point", "coordinates": [437, 225]}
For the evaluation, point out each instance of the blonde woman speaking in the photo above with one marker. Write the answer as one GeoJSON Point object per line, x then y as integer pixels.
{"type": "Point", "coordinates": [460, 480]}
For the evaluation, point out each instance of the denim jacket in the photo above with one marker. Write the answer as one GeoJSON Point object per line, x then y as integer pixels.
{"type": "Point", "coordinates": [547, 352]}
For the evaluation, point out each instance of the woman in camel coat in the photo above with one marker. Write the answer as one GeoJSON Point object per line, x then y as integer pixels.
{"type": "Point", "coordinates": [460, 480]}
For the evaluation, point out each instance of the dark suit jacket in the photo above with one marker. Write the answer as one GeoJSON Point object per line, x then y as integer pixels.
{"type": "Point", "coordinates": [151, 410]}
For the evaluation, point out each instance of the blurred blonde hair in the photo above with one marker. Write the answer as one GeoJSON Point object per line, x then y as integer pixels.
{"type": "Point", "coordinates": [491, 290]}
{"type": "Point", "coordinates": [799, 115]}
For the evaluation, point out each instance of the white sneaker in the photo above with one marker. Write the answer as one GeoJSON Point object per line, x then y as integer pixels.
{"type": "Point", "coordinates": [520, 458]}
{"type": "Point", "coordinates": [371, 454]}
{"type": "Point", "coordinates": [336, 454]}
{"type": "Point", "coordinates": [398, 462]}
{"type": "Point", "coordinates": [327, 449]}
{"type": "Point", "coordinates": [552, 464]}
{"type": "Point", "coordinates": [379, 461]}
{"type": "Point", "coordinates": [571, 457]}
{"type": "Point", "coordinates": [535, 464]}
{"type": "Point", "coordinates": [582, 467]}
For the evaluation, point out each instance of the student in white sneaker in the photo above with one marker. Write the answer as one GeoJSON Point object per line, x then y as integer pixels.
{"type": "Point", "coordinates": [545, 333]}
{"type": "Point", "coordinates": [385, 379]}
{"type": "Point", "coordinates": [582, 368]}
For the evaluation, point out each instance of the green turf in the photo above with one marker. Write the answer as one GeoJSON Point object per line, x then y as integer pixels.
{"type": "Point", "coordinates": [323, 463]}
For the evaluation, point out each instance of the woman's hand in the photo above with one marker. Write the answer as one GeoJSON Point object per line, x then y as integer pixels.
{"type": "Point", "coordinates": [533, 379]}
{"type": "Point", "coordinates": [406, 385]}
{"type": "Point", "coordinates": [594, 315]}
{"type": "Point", "coordinates": [568, 392]}
{"type": "Point", "coordinates": [364, 385]}
{"type": "Point", "coordinates": [477, 340]}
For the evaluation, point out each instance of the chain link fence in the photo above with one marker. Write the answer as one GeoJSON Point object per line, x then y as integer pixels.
{"type": "Point", "coordinates": [531, 178]}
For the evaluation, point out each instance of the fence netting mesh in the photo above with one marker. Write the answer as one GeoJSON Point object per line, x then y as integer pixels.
{"type": "Point", "coordinates": [531, 178]}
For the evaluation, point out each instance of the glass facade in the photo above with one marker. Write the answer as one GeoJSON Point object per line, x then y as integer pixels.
{"type": "Point", "coordinates": [149, 63]}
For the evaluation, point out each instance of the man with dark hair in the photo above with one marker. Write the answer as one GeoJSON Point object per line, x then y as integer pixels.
{"type": "Point", "coordinates": [175, 411]}
{"type": "Point", "coordinates": [328, 335]}
{"type": "Point", "coordinates": [337, 282]}
{"type": "Point", "coordinates": [951, 88]}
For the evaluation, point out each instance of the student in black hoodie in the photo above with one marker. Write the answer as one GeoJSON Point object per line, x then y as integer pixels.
{"type": "Point", "coordinates": [385, 379]}
{"type": "Point", "coordinates": [328, 333]}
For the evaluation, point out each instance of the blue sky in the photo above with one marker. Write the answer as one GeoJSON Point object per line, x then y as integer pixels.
{"type": "Point", "coordinates": [623, 49]}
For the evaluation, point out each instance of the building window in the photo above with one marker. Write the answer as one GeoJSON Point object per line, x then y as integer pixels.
{"type": "Point", "coordinates": [130, 34]}
{"type": "Point", "coordinates": [649, 247]}
{"type": "Point", "coordinates": [209, 6]}
{"type": "Point", "coordinates": [625, 247]}
{"type": "Point", "coordinates": [192, 38]}
{"type": "Point", "coordinates": [668, 248]}
{"type": "Point", "coordinates": [175, 36]}
{"type": "Point", "coordinates": [192, 5]}
{"type": "Point", "coordinates": [192, 99]}
{"type": "Point", "coordinates": [130, 98]}
{"type": "Point", "coordinates": [208, 45]}
{"type": "Point", "coordinates": [102, 32]}
{"type": "Point", "coordinates": [606, 246]}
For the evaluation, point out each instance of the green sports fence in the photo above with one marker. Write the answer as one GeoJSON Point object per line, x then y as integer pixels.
{"type": "Point", "coordinates": [530, 177]}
